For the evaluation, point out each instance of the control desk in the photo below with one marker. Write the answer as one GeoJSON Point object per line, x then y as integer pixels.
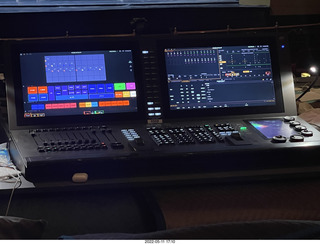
{"type": "Point", "coordinates": [154, 106]}
{"type": "Point", "coordinates": [171, 148]}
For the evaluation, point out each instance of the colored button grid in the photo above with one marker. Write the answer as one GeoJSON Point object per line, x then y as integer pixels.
{"type": "Point", "coordinates": [81, 92]}
{"type": "Point", "coordinates": [88, 104]}
{"type": "Point", "coordinates": [81, 105]}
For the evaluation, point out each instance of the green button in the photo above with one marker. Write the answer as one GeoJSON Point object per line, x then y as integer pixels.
{"type": "Point", "coordinates": [119, 86]}
{"type": "Point", "coordinates": [243, 128]}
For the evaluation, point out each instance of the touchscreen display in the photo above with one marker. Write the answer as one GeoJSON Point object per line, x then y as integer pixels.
{"type": "Point", "coordinates": [219, 77]}
{"type": "Point", "coordinates": [77, 83]}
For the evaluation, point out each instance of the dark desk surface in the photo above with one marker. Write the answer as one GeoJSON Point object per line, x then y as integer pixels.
{"type": "Point", "coordinates": [218, 178]}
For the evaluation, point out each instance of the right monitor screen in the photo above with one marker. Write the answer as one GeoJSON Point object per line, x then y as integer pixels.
{"type": "Point", "coordinates": [219, 77]}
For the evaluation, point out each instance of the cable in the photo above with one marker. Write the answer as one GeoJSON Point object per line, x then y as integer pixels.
{"type": "Point", "coordinates": [308, 89]}
{"type": "Point", "coordinates": [11, 195]}
{"type": "Point", "coordinates": [9, 173]}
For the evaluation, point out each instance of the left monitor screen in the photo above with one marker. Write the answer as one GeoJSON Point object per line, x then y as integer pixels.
{"type": "Point", "coordinates": [78, 83]}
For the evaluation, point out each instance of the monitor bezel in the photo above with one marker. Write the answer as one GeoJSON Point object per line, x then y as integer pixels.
{"type": "Point", "coordinates": [72, 45]}
{"type": "Point", "coordinates": [217, 41]}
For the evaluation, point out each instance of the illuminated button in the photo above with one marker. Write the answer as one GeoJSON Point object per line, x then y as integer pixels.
{"type": "Point", "coordinates": [32, 90]}
{"type": "Point", "coordinates": [243, 128]}
{"type": "Point", "coordinates": [119, 86]}
{"type": "Point", "coordinates": [64, 90]}
{"type": "Point", "coordinates": [42, 89]}
{"type": "Point", "coordinates": [118, 94]}
{"type": "Point", "coordinates": [51, 93]}
{"type": "Point", "coordinates": [109, 87]}
{"type": "Point", "coordinates": [100, 88]}
{"type": "Point", "coordinates": [43, 97]}
{"type": "Point", "coordinates": [92, 88]}
{"type": "Point", "coordinates": [37, 106]}
{"type": "Point", "coordinates": [126, 94]}
{"type": "Point", "coordinates": [32, 97]}
{"type": "Point", "coordinates": [131, 86]}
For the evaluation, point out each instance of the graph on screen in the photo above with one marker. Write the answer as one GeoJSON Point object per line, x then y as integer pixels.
{"type": "Point", "coordinates": [75, 68]}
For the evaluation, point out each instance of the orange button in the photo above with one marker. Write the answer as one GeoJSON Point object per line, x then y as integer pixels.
{"type": "Point", "coordinates": [32, 90]}
{"type": "Point", "coordinates": [43, 89]}
{"type": "Point", "coordinates": [118, 94]}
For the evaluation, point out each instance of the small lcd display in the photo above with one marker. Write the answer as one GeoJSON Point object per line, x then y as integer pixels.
{"type": "Point", "coordinates": [77, 83]}
{"type": "Point", "coordinates": [272, 127]}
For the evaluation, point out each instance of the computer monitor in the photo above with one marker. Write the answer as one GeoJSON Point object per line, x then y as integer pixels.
{"type": "Point", "coordinates": [76, 84]}
{"type": "Point", "coordinates": [211, 78]}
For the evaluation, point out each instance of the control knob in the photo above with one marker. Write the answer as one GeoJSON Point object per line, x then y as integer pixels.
{"type": "Point", "coordinates": [307, 133]}
{"type": "Point", "coordinates": [296, 138]}
{"type": "Point", "coordinates": [288, 118]}
{"type": "Point", "coordinates": [294, 123]}
{"type": "Point", "coordinates": [279, 139]}
{"type": "Point", "coordinates": [299, 128]}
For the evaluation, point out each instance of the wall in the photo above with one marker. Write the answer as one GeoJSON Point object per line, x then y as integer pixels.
{"type": "Point", "coordinates": [295, 7]}
{"type": "Point", "coordinates": [303, 41]}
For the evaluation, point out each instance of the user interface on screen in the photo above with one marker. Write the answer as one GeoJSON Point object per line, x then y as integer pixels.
{"type": "Point", "coordinates": [78, 83]}
{"type": "Point", "coordinates": [219, 77]}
